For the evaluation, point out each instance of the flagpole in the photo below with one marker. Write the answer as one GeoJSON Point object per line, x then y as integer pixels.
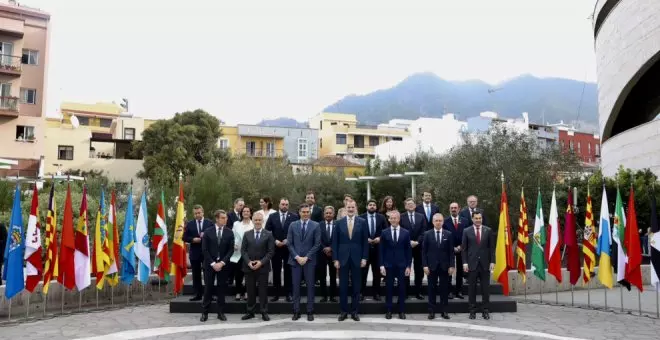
{"type": "Point", "coordinates": [97, 298]}
{"type": "Point", "coordinates": [605, 291]}
{"type": "Point", "coordinates": [588, 293]}
{"type": "Point", "coordinates": [79, 300]}
{"type": "Point", "coordinates": [27, 310]}
{"type": "Point", "coordinates": [639, 301]}
{"type": "Point", "coordinates": [45, 303]}
{"type": "Point", "coordinates": [9, 311]}
{"type": "Point", "coordinates": [572, 296]}
{"type": "Point", "coordinates": [657, 301]}
{"type": "Point", "coordinates": [621, 290]}
{"type": "Point", "coordinates": [541, 283]}
{"type": "Point", "coordinates": [63, 289]}
{"type": "Point", "coordinates": [112, 293]}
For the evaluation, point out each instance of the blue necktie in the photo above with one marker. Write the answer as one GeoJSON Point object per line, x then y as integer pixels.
{"type": "Point", "coordinates": [373, 224]}
{"type": "Point", "coordinates": [428, 213]}
{"type": "Point", "coordinates": [303, 230]}
{"type": "Point", "coordinates": [257, 237]}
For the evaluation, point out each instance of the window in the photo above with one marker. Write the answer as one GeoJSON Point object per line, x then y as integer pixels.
{"type": "Point", "coordinates": [83, 121]}
{"type": "Point", "coordinates": [589, 148]}
{"type": "Point", "coordinates": [374, 141]}
{"type": "Point", "coordinates": [270, 149]}
{"type": "Point", "coordinates": [129, 133]}
{"type": "Point", "coordinates": [6, 50]}
{"type": "Point", "coordinates": [30, 57]}
{"type": "Point", "coordinates": [28, 96]}
{"type": "Point", "coordinates": [358, 141]}
{"type": "Point", "coordinates": [321, 125]}
{"type": "Point", "coordinates": [321, 143]}
{"type": "Point", "coordinates": [105, 122]}
{"type": "Point", "coordinates": [251, 148]}
{"type": "Point", "coordinates": [223, 143]}
{"type": "Point", "coordinates": [302, 147]}
{"type": "Point", "coordinates": [570, 145]}
{"type": "Point", "coordinates": [65, 152]}
{"type": "Point", "coordinates": [397, 138]}
{"type": "Point", "coordinates": [341, 138]}
{"type": "Point", "coordinates": [579, 147]}
{"type": "Point", "coordinates": [597, 150]}
{"type": "Point", "coordinates": [24, 132]}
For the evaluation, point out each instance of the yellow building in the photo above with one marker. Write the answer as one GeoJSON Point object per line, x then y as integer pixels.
{"type": "Point", "coordinates": [341, 135]}
{"type": "Point", "coordinates": [338, 165]}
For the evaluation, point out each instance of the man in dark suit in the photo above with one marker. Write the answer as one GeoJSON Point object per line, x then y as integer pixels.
{"type": "Point", "coordinates": [439, 263]}
{"type": "Point", "coordinates": [303, 240]}
{"type": "Point", "coordinates": [375, 224]}
{"type": "Point", "coordinates": [395, 259]}
{"type": "Point", "coordinates": [278, 224]}
{"type": "Point", "coordinates": [350, 251]}
{"type": "Point", "coordinates": [478, 261]}
{"type": "Point", "coordinates": [316, 211]}
{"type": "Point", "coordinates": [456, 224]}
{"type": "Point", "coordinates": [235, 214]}
{"type": "Point", "coordinates": [193, 235]}
{"type": "Point", "coordinates": [415, 223]}
{"type": "Point", "coordinates": [324, 265]}
{"type": "Point", "coordinates": [427, 208]}
{"type": "Point", "coordinates": [217, 248]}
{"type": "Point", "coordinates": [257, 250]}
{"type": "Point", "coordinates": [466, 213]}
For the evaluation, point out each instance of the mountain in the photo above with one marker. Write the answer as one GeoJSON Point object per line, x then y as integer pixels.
{"type": "Point", "coordinates": [547, 100]}
{"type": "Point", "coordinates": [282, 122]}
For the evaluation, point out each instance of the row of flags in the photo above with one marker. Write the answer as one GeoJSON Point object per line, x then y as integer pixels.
{"type": "Point", "coordinates": [74, 260]}
{"type": "Point", "coordinates": [621, 238]}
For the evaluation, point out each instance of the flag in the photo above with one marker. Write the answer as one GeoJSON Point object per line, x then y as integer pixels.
{"type": "Point", "coordinates": [538, 248]}
{"type": "Point", "coordinates": [503, 252]}
{"type": "Point", "coordinates": [162, 261]}
{"type": "Point", "coordinates": [81, 258]}
{"type": "Point", "coordinates": [618, 235]}
{"type": "Point", "coordinates": [523, 238]}
{"type": "Point", "coordinates": [142, 241]}
{"type": "Point", "coordinates": [570, 240]}
{"type": "Point", "coordinates": [67, 274]}
{"type": "Point", "coordinates": [51, 265]}
{"type": "Point", "coordinates": [554, 248]}
{"type": "Point", "coordinates": [101, 244]}
{"type": "Point", "coordinates": [633, 269]}
{"type": "Point", "coordinates": [13, 256]}
{"type": "Point", "coordinates": [128, 243]}
{"type": "Point", "coordinates": [654, 244]}
{"type": "Point", "coordinates": [604, 244]}
{"type": "Point", "coordinates": [113, 243]}
{"type": "Point", "coordinates": [179, 264]}
{"type": "Point", "coordinates": [33, 264]}
{"type": "Point", "coordinates": [589, 242]}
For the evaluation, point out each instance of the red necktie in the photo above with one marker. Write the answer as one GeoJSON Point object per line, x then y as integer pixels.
{"type": "Point", "coordinates": [478, 235]}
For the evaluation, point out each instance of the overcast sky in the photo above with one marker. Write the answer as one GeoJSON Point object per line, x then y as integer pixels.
{"type": "Point", "coordinates": [248, 60]}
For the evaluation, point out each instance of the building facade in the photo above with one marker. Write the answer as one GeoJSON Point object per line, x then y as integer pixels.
{"type": "Point", "coordinates": [585, 145]}
{"type": "Point", "coordinates": [627, 36]}
{"type": "Point", "coordinates": [24, 39]}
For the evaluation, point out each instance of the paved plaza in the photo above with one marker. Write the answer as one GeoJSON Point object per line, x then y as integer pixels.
{"type": "Point", "coordinates": [155, 322]}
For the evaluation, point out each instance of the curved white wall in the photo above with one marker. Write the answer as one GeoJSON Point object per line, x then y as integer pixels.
{"type": "Point", "coordinates": [637, 148]}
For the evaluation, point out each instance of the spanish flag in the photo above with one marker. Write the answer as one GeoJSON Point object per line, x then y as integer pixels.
{"type": "Point", "coordinates": [178, 270]}
{"type": "Point", "coordinates": [101, 244]}
{"type": "Point", "coordinates": [503, 252]}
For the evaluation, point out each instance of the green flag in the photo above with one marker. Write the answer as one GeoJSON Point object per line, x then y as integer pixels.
{"type": "Point", "coordinates": [618, 236]}
{"type": "Point", "coordinates": [538, 248]}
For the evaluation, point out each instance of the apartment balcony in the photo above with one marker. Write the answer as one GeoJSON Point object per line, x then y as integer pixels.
{"type": "Point", "coordinates": [263, 153]}
{"type": "Point", "coordinates": [360, 149]}
{"type": "Point", "coordinates": [9, 107]}
{"type": "Point", "coordinates": [10, 65]}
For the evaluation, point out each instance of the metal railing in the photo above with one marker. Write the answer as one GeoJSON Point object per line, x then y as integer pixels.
{"type": "Point", "coordinates": [263, 152]}
{"type": "Point", "coordinates": [9, 103]}
{"type": "Point", "coordinates": [10, 63]}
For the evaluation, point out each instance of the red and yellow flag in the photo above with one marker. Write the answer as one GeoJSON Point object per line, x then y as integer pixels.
{"type": "Point", "coordinates": [51, 265]}
{"type": "Point", "coordinates": [67, 274]}
{"type": "Point", "coordinates": [503, 251]}
{"type": "Point", "coordinates": [523, 238]}
{"type": "Point", "coordinates": [589, 242]}
{"type": "Point", "coordinates": [101, 244]}
{"type": "Point", "coordinates": [33, 265]}
{"type": "Point", "coordinates": [113, 243]}
{"type": "Point", "coordinates": [178, 271]}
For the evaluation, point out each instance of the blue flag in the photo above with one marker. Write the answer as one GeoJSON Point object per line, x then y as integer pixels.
{"type": "Point", "coordinates": [13, 264]}
{"type": "Point", "coordinates": [128, 244]}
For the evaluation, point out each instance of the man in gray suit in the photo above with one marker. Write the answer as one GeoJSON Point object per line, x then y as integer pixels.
{"type": "Point", "coordinates": [303, 240]}
{"type": "Point", "coordinates": [257, 249]}
{"type": "Point", "coordinates": [478, 261]}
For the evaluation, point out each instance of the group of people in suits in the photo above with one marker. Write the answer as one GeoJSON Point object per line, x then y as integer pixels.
{"type": "Point", "coordinates": [314, 243]}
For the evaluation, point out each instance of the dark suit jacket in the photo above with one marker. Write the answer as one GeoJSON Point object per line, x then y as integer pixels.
{"type": "Point", "coordinates": [326, 241]}
{"type": "Point", "coordinates": [215, 251]}
{"type": "Point", "coordinates": [381, 224]}
{"type": "Point", "coordinates": [274, 225]}
{"type": "Point", "coordinates": [438, 257]}
{"type": "Point", "coordinates": [434, 210]}
{"type": "Point", "coordinates": [253, 251]}
{"type": "Point", "coordinates": [307, 246]}
{"type": "Point", "coordinates": [395, 254]}
{"type": "Point", "coordinates": [465, 213]}
{"type": "Point", "coordinates": [482, 253]}
{"type": "Point", "coordinates": [195, 249]}
{"type": "Point", "coordinates": [354, 249]}
{"type": "Point", "coordinates": [416, 231]}
{"type": "Point", "coordinates": [232, 217]}
{"type": "Point", "coordinates": [456, 231]}
{"type": "Point", "coordinates": [317, 213]}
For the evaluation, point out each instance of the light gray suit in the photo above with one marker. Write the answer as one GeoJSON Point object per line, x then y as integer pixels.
{"type": "Point", "coordinates": [304, 245]}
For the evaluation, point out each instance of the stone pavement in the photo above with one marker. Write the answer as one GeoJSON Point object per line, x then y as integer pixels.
{"type": "Point", "coordinates": [155, 322]}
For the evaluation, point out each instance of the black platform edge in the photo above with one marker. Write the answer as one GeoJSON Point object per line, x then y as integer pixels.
{"type": "Point", "coordinates": [498, 304]}
{"type": "Point", "coordinates": [495, 289]}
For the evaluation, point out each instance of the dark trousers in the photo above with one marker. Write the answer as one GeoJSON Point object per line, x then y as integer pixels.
{"type": "Point", "coordinates": [196, 268]}
{"type": "Point", "coordinates": [375, 272]}
{"type": "Point", "coordinates": [257, 283]}
{"type": "Point", "coordinates": [400, 275]}
{"type": "Point", "coordinates": [308, 272]}
{"type": "Point", "coordinates": [459, 274]}
{"type": "Point", "coordinates": [417, 269]}
{"type": "Point", "coordinates": [238, 277]}
{"type": "Point", "coordinates": [210, 288]}
{"type": "Point", "coordinates": [352, 270]}
{"type": "Point", "coordinates": [280, 260]}
{"type": "Point", "coordinates": [323, 268]}
{"type": "Point", "coordinates": [443, 276]}
{"type": "Point", "coordinates": [483, 275]}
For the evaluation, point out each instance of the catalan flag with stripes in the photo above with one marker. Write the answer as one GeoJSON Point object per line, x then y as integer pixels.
{"type": "Point", "coordinates": [589, 242]}
{"type": "Point", "coordinates": [101, 244]}
{"type": "Point", "coordinates": [523, 238]}
{"type": "Point", "coordinates": [50, 267]}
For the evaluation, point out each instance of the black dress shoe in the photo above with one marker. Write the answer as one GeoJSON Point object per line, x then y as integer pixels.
{"type": "Point", "coordinates": [265, 317]}
{"type": "Point", "coordinates": [402, 316]}
{"type": "Point", "coordinates": [473, 316]}
{"type": "Point", "coordinates": [333, 299]}
{"type": "Point", "coordinates": [295, 316]}
{"type": "Point", "coordinates": [275, 299]}
{"type": "Point", "coordinates": [205, 316]}
{"type": "Point", "coordinates": [289, 298]}
{"type": "Point", "coordinates": [419, 297]}
{"type": "Point", "coordinates": [377, 298]}
{"type": "Point", "coordinates": [222, 317]}
{"type": "Point", "coordinates": [355, 317]}
{"type": "Point", "coordinates": [342, 316]}
{"type": "Point", "coordinates": [247, 316]}
{"type": "Point", "coordinates": [485, 315]}
{"type": "Point", "coordinates": [431, 315]}
{"type": "Point", "coordinates": [445, 316]}
{"type": "Point", "coordinates": [196, 298]}
{"type": "Point", "coordinates": [451, 296]}
{"type": "Point", "coordinates": [310, 317]}
{"type": "Point", "coordinates": [460, 296]}
{"type": "Point", "coordinates": [324, 300]}
{"type": "Point", "coordinates": [388, 315]}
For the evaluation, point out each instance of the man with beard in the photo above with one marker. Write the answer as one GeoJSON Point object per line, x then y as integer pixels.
{"type": "Point", "coordinates": [278, 224]}
{"type": "Point", "coordinates": [376, 223]}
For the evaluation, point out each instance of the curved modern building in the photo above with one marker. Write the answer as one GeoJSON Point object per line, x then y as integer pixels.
{"type": "Point", "coordinates": [627, 43]}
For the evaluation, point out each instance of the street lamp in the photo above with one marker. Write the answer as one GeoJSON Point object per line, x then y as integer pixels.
{"type": "Point", "coordinates": [412, 175]}
{"type": "Point", "coordinates": [368, 179]}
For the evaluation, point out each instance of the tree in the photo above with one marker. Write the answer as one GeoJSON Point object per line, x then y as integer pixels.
{"type": "Point", "coordinates": [179, 145]}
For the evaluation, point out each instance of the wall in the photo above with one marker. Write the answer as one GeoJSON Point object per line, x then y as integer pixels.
{"type": "Point", "coordinates": [637, 148]}
{"type": "Point", "coordinates": [585, 145]}
{"type": "Point", "coordinates": [343, 171]}
{"type": "Point", "coordinates": [11, 148]}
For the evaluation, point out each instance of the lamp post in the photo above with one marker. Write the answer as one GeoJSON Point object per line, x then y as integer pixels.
{"type": "Point", "coordinates": [412, 175]}
{"type": "Point", "coordinates": [368, 179]}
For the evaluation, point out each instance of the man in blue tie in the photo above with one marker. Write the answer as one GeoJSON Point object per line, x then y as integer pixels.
{"type": "Point", "coordinates": [193, 234]}
{"type": "Point", "coordinates": [427, 208]}
{"type": "Point", "coordinates": [303, 240]}
{"type": "Point", "coordinates": [395, 260]}
{"type": "Point", "coordinates": [376, 223]}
